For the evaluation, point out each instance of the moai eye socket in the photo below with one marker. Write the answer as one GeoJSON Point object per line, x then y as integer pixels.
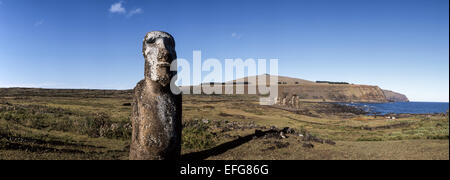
{"type": "Point", "coordinates": [151, 41]}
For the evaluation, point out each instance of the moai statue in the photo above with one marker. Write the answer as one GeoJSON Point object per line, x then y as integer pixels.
{"type": "Point", "coordinates": [156, 115]}
{"type": "Point", "coordinates": [279, 99]}
{"type": "Point", "coordinates": [297, 103]}
{"type": "Point", "coordinates": [293, 101]}
{"type": "Point", "coordinates": [284, 102]}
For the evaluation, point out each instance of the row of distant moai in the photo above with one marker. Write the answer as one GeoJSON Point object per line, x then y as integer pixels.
{"type": "Point", "coordinates": [156, 116]}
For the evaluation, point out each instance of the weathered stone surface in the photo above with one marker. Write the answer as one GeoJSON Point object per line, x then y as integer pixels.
{"type": "Point", "coordinates": [156, 116]}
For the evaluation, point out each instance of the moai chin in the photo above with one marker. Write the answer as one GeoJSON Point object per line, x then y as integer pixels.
{"type": "Point", "coordinates": [156, 116]}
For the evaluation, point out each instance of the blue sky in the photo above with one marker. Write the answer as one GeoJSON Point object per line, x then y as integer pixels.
{"type": "Point", "coordinates": [401, 45]}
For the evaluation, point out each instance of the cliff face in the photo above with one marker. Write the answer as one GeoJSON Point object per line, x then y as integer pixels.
{"type": "Point", "coordinates": [392, 96]}
{"type": "Point", "coordinates": [292, 90]}
{"type": "Point", "coordinates": [330, 92]}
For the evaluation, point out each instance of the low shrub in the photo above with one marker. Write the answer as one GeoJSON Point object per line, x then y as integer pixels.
{"type": "Point", "coordinates": [197, 136]}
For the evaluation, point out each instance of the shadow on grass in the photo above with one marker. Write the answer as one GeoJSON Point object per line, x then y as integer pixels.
{"type": "Point", "coordinates": [202, 155]}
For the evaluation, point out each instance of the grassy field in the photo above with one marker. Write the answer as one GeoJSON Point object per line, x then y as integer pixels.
{"type": "Point", "coordinates": [95, 125]}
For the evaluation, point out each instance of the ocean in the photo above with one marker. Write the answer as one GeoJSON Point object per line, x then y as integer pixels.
{"type": "Point", "coordinates": [402, 107]}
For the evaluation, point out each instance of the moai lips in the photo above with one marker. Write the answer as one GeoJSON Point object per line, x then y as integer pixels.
{"type": "Point", "coordinates": [156, 115]}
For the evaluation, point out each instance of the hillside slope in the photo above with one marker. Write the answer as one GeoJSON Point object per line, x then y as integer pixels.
{"type": "Point", "coordinates": [392, 96]}
{"type": "Point", "coordinates": [303, 89]}
{"type": "Point", "coordinates": [291, 94]}
{"type": "Point", "coordinates": [292, 90]}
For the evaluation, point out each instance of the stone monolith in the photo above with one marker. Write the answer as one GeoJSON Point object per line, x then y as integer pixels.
{"type": "Point", "coordinates": [156, 116]}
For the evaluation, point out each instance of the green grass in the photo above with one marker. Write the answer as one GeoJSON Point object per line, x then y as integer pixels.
{"type": "Point", "coordinates": [196, 136]}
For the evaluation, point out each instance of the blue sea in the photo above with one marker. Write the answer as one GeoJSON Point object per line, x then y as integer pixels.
{"type": "Point", "coordinates": [402, 107]}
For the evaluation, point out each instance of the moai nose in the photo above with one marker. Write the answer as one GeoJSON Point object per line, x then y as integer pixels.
{"type": "Point", "coordinates": [160, 43]}
{"type": "Point", "coordinates": [163, 43]}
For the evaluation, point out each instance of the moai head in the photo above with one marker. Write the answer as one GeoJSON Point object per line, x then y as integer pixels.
{"type": "Point", "coordinates": [159, 52]}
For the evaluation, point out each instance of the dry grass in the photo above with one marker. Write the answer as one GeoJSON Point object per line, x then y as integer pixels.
{"type": "Point", "coordinates": [44, 127]}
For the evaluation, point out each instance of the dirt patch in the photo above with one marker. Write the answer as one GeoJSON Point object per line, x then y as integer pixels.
{"type": "Point", "coordinates": [308, 145]}
{"type": "Point", "coordinates": [275, 145]}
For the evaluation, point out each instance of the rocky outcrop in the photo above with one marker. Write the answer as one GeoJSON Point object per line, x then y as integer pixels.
{"type": "Point", "coordinates": [392, 96]}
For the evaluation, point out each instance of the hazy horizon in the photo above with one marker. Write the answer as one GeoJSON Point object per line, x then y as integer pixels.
{"type": "Point", "coordinates": [398, 45]}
